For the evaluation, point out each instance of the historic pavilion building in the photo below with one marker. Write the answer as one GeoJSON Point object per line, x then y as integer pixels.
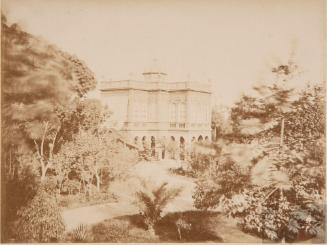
{"type": "Point", "coordinates": [158, 109]}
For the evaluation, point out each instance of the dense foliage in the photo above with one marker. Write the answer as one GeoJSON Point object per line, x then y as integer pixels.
{"type": "Point", "coordinates": [50, 130]}
{"type": "Point", "coordinates": [280, 193]}
{"type": "Point", "coordinates": [223, 177]}
{"type": "Point", "coordinates": [41, 219]}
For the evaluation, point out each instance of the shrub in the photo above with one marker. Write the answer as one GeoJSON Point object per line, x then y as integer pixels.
{"type": "Point", "coordinates": [79, 234]}
{"type": "Point", "coordinates": [182, 225]}
{"type": "Point", "coordinates": [72, 186]}
{"type": "Point", "coordinates": [19, 191]}
{"type": "Point", "coordinates": [111, 231]}
{"type": "Point", "coordinates": [286, 206]}
{"type": "Point", "coordinates": [139, 235]}
{"type": "Point", "coordinates": [152, 200]}
{"type": "Point", "coordinates": [223, 177]}
{"type": "Point", "coordinates": [199, 163]}
{"type": "Point", "coordinates": [41, 219]}
{"type": "Point", "coordinates": [276, 217]}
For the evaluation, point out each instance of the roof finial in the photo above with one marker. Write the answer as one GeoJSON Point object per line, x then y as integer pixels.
{"type": "Point", "coordinates": [154, 70]}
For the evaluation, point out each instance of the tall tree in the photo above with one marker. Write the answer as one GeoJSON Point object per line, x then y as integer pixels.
{"type": "Point", "coordinates": [263, 113]}
{"type": "Point", "coordinates": [283, 199]}
{"type": "Point", "coordinates": [38, 80]}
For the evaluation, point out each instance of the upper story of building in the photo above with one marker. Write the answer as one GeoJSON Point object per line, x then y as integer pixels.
{"type": "Point", "coordinates": [155, 81]}
{"type": "Point", "coordinates": [157, 103]}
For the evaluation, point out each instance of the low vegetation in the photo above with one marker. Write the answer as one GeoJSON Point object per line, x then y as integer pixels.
{"type": "Point", "coordinates": [41, 220]}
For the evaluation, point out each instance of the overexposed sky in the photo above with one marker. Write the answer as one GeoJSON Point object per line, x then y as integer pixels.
{"type": "Point", "coordinates": [231, 43]}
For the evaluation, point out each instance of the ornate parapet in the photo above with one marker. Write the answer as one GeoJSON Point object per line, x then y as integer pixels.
{"type": "Point", "coordinates": [155, 86]}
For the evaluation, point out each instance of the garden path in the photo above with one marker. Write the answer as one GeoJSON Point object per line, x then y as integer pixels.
{"type": "Point", "coordinates": [152, 172]}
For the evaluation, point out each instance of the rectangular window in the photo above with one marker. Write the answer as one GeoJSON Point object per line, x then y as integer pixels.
{"type": "Point", "coordinates": [173, 112]}
{"type": "Point", "coordinates": [181, 125]}
{"type": "Point", "coordinates": [182, 112]}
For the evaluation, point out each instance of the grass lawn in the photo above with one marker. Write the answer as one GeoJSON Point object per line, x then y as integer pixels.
{"type": "Point", "coordinates": [204, 227]}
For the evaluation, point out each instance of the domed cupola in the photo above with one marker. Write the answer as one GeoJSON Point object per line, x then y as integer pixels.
{"type": "Point", "coordinates": [154, 73]}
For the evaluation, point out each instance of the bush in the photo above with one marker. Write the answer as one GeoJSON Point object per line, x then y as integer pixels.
{"type": "Point", "coordinates": [222, 178]}
{"type": "Point", "coordinates": [199, 163]}
{"type": "Point", "coordinates": [287, 204]}
{"type": "Point", "coordinates": [41, 219]}
{"type": "Point", "coordinates": [19, 191]}
{"type": "Point", "coordinates": [121, 230]}
{"type": "Point", "coordinates": [72, 186]}
{"type": "Point", "coordinates": [111, 231]}
{"type": "Point", "coordinates": [182, 226]}
{"type": "Point", "coordinates": [275, 218]}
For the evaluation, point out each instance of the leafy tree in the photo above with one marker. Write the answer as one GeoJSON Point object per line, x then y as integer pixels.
{"type": "Point", "coordinates": [86, 155]}
{"type": "Point", "coordinates": [219, 123]}
{"type": "Point", "coordinates": [41, 219]}
{"type": "Point", "coordinates": [265, 111]}
{"type": "Point", "coordinates": [37, 80]}
{"type": "Point", "coordinates": [287, 206]}
{"type": "Point", "coordinates": [92, 157]}
{"type": "Point", "coordinates": [287, 178]}
{"type": "Point", "coordinates": [84, 114]}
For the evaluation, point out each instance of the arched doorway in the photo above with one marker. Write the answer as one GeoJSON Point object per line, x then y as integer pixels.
{"type": "Point", "coordinates": [163, 145]}
{"type": "Point", "coordinates": [182, 148]}
{"type": "Point", "coordinates": [153, 146]}
{"type": "Point", "coordinates": [172, 148]}
{"type": "Point", "coordinates": [200, 139]}
{"type": "Point", "coordinates": [136, 140]}
{"type": "Point", "coordinates": [145, 143]}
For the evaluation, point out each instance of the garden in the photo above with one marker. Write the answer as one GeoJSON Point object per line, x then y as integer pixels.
{"type": "Point", "coordinates": [261, 179]}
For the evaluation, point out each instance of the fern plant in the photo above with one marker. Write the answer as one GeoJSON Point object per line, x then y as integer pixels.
{"type": "Point", "coordinates": [80, 233]}
{"type": "Point", "coordinates": [152, 200]}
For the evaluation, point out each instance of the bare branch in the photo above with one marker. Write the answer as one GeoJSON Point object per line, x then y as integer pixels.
{"type": "Point", "coordinates": [43, 137]}
{"type": "Point", "coordinates": [37, 148]}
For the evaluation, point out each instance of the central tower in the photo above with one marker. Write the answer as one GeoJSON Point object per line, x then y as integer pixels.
{"type": "Point", "coordinates": [154, 73]}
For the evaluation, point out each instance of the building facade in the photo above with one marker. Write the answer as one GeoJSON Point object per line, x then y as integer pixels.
{"type": "Point", "coordinates": [159, 110]}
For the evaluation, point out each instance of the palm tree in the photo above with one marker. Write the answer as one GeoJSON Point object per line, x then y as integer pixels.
{"type": "Point", "coordinates": [152, 200]}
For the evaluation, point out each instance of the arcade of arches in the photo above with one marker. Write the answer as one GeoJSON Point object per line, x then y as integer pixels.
{"type": "Point", "coordinates": [168, 148]}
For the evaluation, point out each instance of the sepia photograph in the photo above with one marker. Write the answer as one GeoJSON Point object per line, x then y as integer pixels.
{"type": "Point", "coordinates": [163, 121]}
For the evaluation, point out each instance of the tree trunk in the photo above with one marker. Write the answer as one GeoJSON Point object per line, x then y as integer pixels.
{"type": "Point", "coordinates": [10, 164]}
{"type": "Point", "coordinates": [282, 128]}
{"type": "Point", "coordinates": [43, 172]}
{"type": "Point", "coordinates": [151, 231]}
{"type": "Point", "coordinates": [179, 233]}
{"type": "Point", "coordinates": [98, 181]}
{"type": "Point", "coordinates": [217, 133]}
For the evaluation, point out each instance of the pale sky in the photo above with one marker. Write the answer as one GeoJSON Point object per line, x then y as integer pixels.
{"type": "Point", "coordinates": [231, 43]}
